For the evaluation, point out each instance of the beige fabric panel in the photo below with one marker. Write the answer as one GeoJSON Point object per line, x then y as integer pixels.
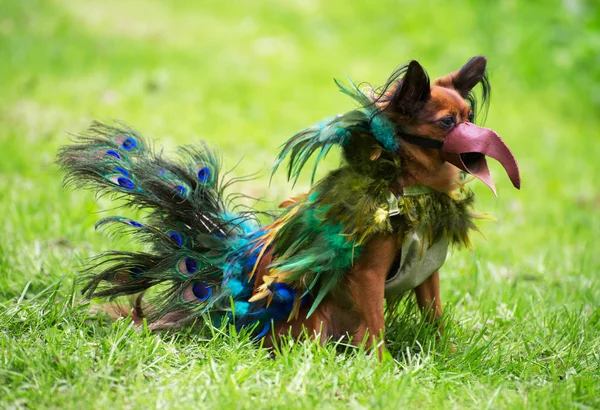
{"type": "Point", "coordinates": [417, 262]}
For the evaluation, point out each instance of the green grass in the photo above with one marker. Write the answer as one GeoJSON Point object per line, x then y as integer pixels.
{"type": "Point", "coordinates": [523, 307]}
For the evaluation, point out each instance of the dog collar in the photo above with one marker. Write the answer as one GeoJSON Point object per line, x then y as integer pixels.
{"type": "Point", "coordinates": [423, 142]}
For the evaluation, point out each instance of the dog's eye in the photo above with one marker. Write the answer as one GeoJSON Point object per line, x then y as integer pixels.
{"type": "Point", "coordinates": [471, 116]}
{"type": "Point", "coordinates": [447, 122]}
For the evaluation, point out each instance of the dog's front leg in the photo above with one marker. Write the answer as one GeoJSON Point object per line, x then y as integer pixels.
{"type": "Point", "coordinates": [367, 286]}
{"type": "Point", "coordinates": [428, 299]}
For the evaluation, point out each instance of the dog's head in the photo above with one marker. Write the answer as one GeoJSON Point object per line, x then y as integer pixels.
{"type": "Point", "coordinates": [435, 122]}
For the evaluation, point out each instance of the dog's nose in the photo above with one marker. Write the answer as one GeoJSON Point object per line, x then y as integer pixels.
{"type": "Point", "coordinates": [466, 147]}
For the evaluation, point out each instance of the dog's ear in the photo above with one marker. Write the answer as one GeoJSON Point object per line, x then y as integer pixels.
{"type": "Point", "coordinates": [412, 92]}
{"type": "Point", "coordinates": [463, 80]}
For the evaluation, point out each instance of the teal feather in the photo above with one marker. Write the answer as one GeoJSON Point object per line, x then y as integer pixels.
{"type": "Point", "coordinates": [381, 126]}
{"type": "Point", "coordinates": [384, 132]}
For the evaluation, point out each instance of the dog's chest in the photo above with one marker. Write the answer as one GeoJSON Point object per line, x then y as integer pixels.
{"type": "Point", "coordinates": [418, 261]}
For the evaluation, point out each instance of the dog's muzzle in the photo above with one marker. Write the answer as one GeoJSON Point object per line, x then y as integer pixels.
{"type": "Point", "coordinates": [466, 147]}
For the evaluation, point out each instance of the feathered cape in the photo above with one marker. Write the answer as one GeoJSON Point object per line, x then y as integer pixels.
{"type": "Point", "coordinates": [319, 238]}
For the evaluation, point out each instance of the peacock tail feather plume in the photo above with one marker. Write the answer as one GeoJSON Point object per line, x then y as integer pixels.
{"type": "Point", "coordinates": [196, 251]}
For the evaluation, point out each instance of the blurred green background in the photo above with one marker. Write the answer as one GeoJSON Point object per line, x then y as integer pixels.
{"type": "Point", "coordinates": [247, 75]}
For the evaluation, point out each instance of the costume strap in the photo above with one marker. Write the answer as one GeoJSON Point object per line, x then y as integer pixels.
{"type": "Point", "coordinates": [416, 190]}
{"type": "Point", "coordinates": [413, 190]}
{"type": "Point", "coordinates": [423, 142]}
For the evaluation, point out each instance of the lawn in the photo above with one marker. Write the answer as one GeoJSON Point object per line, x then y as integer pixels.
{"type": "Point", "coordinates": [523, 307]}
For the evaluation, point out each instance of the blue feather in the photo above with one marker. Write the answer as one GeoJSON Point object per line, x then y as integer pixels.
{"type": "Point", "coordinates": [264, 332]}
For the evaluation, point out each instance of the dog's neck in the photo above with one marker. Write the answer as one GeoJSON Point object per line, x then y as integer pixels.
{"type": "Point", "coordinates": [421, 167]}
{"type": "Point", "coordinates": [417, 166]}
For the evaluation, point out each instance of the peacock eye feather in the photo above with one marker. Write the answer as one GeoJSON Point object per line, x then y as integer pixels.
{"type": "Point", "coordinates": [129, 144]}
{"type": "Point", "coordinates": [188, 266]}
{"type": "Point", "coordinates": [123, 182]}
{"type": "Point", "coordinates": [135, 223]}
{"type": "Point", "coordinates": [135, 273]}
{"type": "Point", "coordinates": [113, 153]}
{"type": "Point", "coordinates": [122, 171]}
{"type": "Point", "coordinates": [180, 190]}
{"type": "Point", "coordinates": [204, 174]}
{"type": "Point", "coordinates": [176, 238]}
{"type": "Point", "coordinates": [197, 292]}
{"type": "Point", "coordinates": [201, 291]}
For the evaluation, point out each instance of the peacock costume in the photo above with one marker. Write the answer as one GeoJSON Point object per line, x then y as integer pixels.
{"type": "Point", "coordinates": [201, 254]}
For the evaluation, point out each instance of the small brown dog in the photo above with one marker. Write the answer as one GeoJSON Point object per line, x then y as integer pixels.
{"type": "Point", "coordinates": [395, 262]}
